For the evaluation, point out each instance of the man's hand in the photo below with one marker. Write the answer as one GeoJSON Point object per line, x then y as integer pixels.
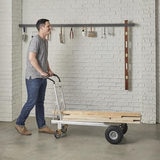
{"type": "Point", "coordinates": [44, 74]}
{"type": "Point", "coordinates": [50, 73]}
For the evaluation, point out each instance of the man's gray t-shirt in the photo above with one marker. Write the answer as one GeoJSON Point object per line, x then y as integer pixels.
{"type": "Point", "coordinates": [40, 47]}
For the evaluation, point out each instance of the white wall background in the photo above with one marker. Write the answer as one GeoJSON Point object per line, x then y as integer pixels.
{"type": "Point", "coordinates": [10, 59]}
{"type": "Point", "coordinates": [92, 69]}
{"type": "Point", "coordinates": [157, 59]}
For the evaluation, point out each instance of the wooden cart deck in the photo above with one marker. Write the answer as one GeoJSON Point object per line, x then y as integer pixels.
{"type": "Point", "coordinates": [101, 116]}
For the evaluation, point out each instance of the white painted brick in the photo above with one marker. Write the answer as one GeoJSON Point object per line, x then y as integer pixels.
{"type": "Point", "coordinates": [92, 70]}
{"type": "Point", "coordinates": [10, 59]}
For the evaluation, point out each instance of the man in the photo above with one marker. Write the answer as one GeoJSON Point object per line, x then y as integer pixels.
{"type": "Point", "coordinates": [37, 69]}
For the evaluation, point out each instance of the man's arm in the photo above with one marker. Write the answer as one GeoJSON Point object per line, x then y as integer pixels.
{"type": "Point", "coordinates": [50, 72]}
{"type": "Point", "coordinates": [34, 62]}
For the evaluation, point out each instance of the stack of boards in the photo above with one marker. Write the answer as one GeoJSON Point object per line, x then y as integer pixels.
{"type": "Point", "coordinates": [101, 116]}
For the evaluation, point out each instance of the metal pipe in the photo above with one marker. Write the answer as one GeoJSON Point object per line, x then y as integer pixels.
{"type": "Point", "coordinates": [85, 25]}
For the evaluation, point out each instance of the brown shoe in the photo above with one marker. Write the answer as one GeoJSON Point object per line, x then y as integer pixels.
{"type": "Point", "coordinates": [46, 130]}
{"type": "Point", "coordinates": [23, 130]}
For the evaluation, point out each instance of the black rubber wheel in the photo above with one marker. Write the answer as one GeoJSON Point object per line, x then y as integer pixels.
{"type": "Point", "coordinates": [64, 128]}
{"type": "Point", "coordinates": [124, 127]}
{"type": "Point", "coordinates": [57, 134]}
{"type": "Point", "coordinates": [114, 134]}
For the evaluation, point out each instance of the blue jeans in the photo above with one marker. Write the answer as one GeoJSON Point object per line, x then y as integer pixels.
{"type": "Point", "coordinates": [36, 89]}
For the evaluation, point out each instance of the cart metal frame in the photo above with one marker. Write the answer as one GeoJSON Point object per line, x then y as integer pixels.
{"type": "Point", "coordinates": [113, 134]}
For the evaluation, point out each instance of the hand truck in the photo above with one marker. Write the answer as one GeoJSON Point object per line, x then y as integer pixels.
{"type": "Point", "coordinates": [62, 117]}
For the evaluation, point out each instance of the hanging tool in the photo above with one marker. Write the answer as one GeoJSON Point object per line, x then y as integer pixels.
{"type": "Point", "coordinates": [92, 33]}
{"type": "Point", "coordinates": [84, 31]}
{"type": "Point", "coordinates": [71, 34]}
{"type": "Point", "coordinates": [103, 32]}
{"type": "Point", "coordinates": [61, 36]}
{"type": "Point", "coordinates": [126, 54]}
{"type": "Point", "coordinates": [24, 35]}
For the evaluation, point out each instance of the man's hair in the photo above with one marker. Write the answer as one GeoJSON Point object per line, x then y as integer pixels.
{"type": "Point", "coordinates": [41, 22]}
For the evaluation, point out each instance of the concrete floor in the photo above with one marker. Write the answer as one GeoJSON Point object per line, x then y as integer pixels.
{"type": "Point", "coordinates": [141, 141]}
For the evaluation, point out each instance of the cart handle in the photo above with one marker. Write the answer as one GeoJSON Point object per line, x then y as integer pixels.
{"type": "Point", "coordinates": [57, 77]}
{"type": "Point", "coordinates": [53, 80]}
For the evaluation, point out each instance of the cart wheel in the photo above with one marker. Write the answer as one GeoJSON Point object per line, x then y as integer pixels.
{"type": "Point", "coordinates": [114, 134]}
{"type": "Point", "coordinates": [58, 134]}
{"type": "Point", "coordinates": [124, 127]}
{"type": "Point", "coordinates": [64, 128]}
{"type": "Point", "coordinates": [58, 117]}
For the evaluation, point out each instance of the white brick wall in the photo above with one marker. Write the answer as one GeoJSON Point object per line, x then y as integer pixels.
{"type": "Point", "coordinates": [157, 4]}
{"type": "Point", "coordinates": [16, 58]}
{"type": "Point", "coordinates": [148, 69]}
{"type": "Point", "coordinates": [10, 59]}
{"type": "Point", "coordinates": [6, 60]}
{"type": "Point", "coordinates": [92, 70]}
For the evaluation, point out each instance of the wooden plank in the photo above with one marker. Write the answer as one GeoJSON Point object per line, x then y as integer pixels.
{"type": "Point", "coordinates": [102, 120]}
{"type": "Point", "coordinates": [99, 116]}
{"type": "Point", "coordinates": [102, 113]}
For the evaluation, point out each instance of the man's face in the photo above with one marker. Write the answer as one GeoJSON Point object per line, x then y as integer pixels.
{"type": "Point", "coordinates": [46, 28]}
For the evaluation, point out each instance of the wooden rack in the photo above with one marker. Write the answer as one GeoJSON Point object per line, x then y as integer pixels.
{"type": "Point", "coordinates": [126, 40]}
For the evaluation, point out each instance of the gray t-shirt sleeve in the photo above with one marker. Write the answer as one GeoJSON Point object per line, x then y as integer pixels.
{"type": "Point", "coordinates": [34, 45]}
